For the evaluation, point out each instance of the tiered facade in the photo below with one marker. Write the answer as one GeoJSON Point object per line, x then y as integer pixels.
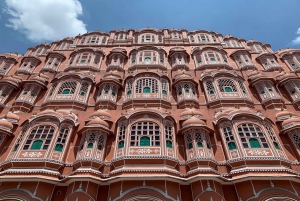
{"type": "Point", "coordinates": [156, 115]}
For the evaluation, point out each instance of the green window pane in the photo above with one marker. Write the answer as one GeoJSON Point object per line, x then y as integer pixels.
{"type": "Point", "coordinates": [231, 146]}
{"type": "Point", "coordinates": [82, 61]}
{"type": "Point", "coordinates": [147, 59]}
{"type": "Point", "coordinates": [164, 92]}
{"type": "Point", "coordinates": [208, 146]}
{"type": "Point", "coordinates": [121, 145]}
{"type": "Point", "coordinates": [145, 141]}
{"type": "Point", "coordinates": [190, 146]}
{"type": "Point", "coordinates": [293, 92]}
{"type": "Point", "coordinates": [199, 61]}
{"type": "Point", "coordinates": [211, 92]}
{"type": "Point", "coordinates": [179, 93]}
{"type": "Point", "coordinates": [3, 95]}
{"type": "Point", "coordinates": [228, 89]}
{"type": "Point", "coordinates": [36, 145]}
{"type": "Point", "coordinates": [169, 144]}
{"type": "Point", "coordinates": [66, 91]}
{"type": "Point", "coordinates": [90, 145]}
{"type": "Point", "coordinates": [16, 147]}
{"type": "Point", "coordinates": [270, 90]}
{"type": "Point", "coordinates": [254, 143]}
{"type": "Point", "coordinates": [99, 147]}
{"type": "Point", "coordinates": [82, 94]}
{"type": "Point", "coordinates": [276, 145]}
{"type": "Point", "coordinates": [212, 59]}
{"type": "Point", "coordinates": [262, 92]}
{"type": "Point", "coordinates": [58, 147]}
{"type": "Point", "coordinates": [25, 93]}
{"type": "Point", "coordinates": [147, 90]}
{"type": "Point", "coordinates": [128, 92]}
{"type": "Point", "coordinates": [199, 144]}
{"type": "Point", "coordinates": [105, 92]}
{"type": "Point", "coordinates": [33, 95]}
{"type": "Point", "coordinates": [187, 91]}
{"type": "Point", "coordinates": [113, 93]}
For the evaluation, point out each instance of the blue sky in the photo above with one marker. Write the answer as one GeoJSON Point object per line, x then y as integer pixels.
{"type": "Point", "coordinates": [26, 23]}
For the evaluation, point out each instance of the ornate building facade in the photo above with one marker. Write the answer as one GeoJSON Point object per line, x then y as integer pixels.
{"type": "Point", "coordinates": [160, 115]}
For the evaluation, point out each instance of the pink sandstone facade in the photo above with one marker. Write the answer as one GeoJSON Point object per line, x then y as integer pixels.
{"type": "Point", "coordinates": [156, 115]}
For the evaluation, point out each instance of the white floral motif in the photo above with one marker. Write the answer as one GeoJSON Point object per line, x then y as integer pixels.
{"type": "Point", "coordinates": [144, 151]}
{"type": "Point", "coordinates": [32, 154]}
{"type": "Point", "coordinates": [258, 152]}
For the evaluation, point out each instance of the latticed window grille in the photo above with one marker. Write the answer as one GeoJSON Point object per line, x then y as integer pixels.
{"type": "Point", "coordinates": [5, 91]}
{"type": "Point", "coordinates": [293, 87]}
{"type": "Point", "coordinates": [62, 138]}
{"type": "Point", "coordinates": [121, 36]}
{"type": "Point", "coordinates": [5, 66]}
{"type": "Point", "coordinates": [199, 140]}
{"type": "Point", "coordinates": [129, 87]}
{"type": "Point", "coordinates": [268, 62]}
{"type": "Point", "coordinates": [189, 140]}
{"type": "Point", "coordinates": [210, 87]}
{"type": "Point", "coordinates": [252, 136]}
{"type": "Point", "coordinates": [146, 85]}
{"type": "Point", "coordinates": [200, 137]}
{"type": "Point", "coordinates": [169, 135]}
{"type": "Point", "coordinates": [121, 135]}
{"type": "Point", "coordinates": [179, 59]}
{"type": "Point", "coordinates": [266, 90]}
{"type": "Point", "coordinates": [20, 137]}
{"type": "Point", "coordinates": [108, 91]}
{"type": "Point", "coordinates": [295, 135]}
{"type": "Point", "coordinates": [93, 139]}
{"type": "Point", "coordinates": [148, 57]}
{"type": "Point", "coordinates": [179, 89]}
{"type": "Point", "coordinates": [84, 88]}
{"type": "Point", "coordinates": [68, 87]}
{"type": "Point", "coordinates": [203, 38]}
{"type": "Point", "coordinates": [226, 85]}
{"type": "Point", "coordinates": [39, 138]}
{"type": "Point", "coordinates": [40, 51]}
{"type": "Point", "coordinates": [28, 65]}
{"type": "Point", "coordinates": [164, 86]}
{"type": "Point", "coordinates": [86, 59]}
{"type": "Point", "coordinates": [116, 59]}
{"type": "Point", "coordinates": [256, 48]}
{"type": "Point", "coordinates": [293, 61]}
{"type": "Point", "coordinates": [232, 43]}
{"type": "Point", "coordinates": [101, 142]}
{"type": "Point", "coordinates": [229, 137]}
{"type": "Point", "coordinates": [243, 59]}
{"type": "Point", "coordinates": [272, 135]}
{"type": "Point", "coordinates": [175, 35]}
{"type": "Point", "coordinates": [242, 86]}
{"type": "Point", "coordinates": [64, 46]}
{"type": "Point", "coordinates": [93, 40]}
{"type": "Point", "coordinates": [53, 63]}
{"type": "Point", "coordinates": [145, 134]}
{"type": "Point", "coordinates": [29, 93]}
{"type": "Point", "coordinates": [148, 38]}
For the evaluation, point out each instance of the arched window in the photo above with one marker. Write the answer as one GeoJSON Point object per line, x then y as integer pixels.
{"type": "Point", "coordinates": [229, 137]}
{"type": "Point", "coordinates": [129, 87]}
{"type": "Point", "coordinates": [121, 136]}
{"type": "Point", "coordinates": [164, 86]}
{"type": "Point", "coordinates": [147, 84]}
{"type": "Point", "coordinates": [169, 135]}
{"type": "Point", "coordinates": [210, 87]}
{"type": "Point", "coordinates": [67, 88]}
{"type": "Point", "coordinates": [39, 138]}
{"type": "Point", "coordinates": [226, 85]}
{"type": "Point", "coordinates": [252, 136]}
{"type": "Point", "coordinates": [144, 133]}
{"type": "Point", "coordinates": [90, 145]}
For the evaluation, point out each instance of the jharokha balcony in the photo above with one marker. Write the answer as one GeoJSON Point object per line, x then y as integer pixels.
{"type": "Point", "coordinates": [225, 89]}
{"type": "Point", "coordinates": [147, 90]}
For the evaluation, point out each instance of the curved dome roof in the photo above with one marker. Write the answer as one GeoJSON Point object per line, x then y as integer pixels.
{"type": "Point", "coordinates": [190, 112]}
{"type": "Point", "coordinates": [193, 120]}
{"type": "Point", "coordinates": [97, 121]}
{"type": "Point", "coordinates": [99, 113]}
{"type": "Point", "coordinates": [10, 116]}
{"type": "Point", "coordinates": [6, 124]}
{"type": "Point", "coordinates": [284, 123]}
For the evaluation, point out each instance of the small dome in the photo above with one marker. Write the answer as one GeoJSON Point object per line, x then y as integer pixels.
{"type": "Point", "coordinates": [283, 113]}
{"type": "Point", "coordinates": [182, 76]}
{"type": "Point", "coordinates": [284, 123]}
{"type": "Point", "coordinates": [10, 116]}
{"type": "Point", "coordinates": [39, 79]}
{"type": "Point", "coordinates": [190, 112]}
{"type": "Point", "coordinates": [97, 121]}
{"type": "Point", "coordinates": [5, 123]}
{"type": "Point", "coordinates": [193, 120]}
{"type": "Point", "coordinates": [100, 113]}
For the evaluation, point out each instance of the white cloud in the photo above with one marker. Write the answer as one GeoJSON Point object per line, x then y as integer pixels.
{"type": "Point", "coordinates": [296, 41]}
{"type": "Point", "coordinates": [43, 20]}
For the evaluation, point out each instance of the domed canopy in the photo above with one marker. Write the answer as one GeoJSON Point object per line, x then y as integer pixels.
{"type": "Point", "coordinates": [97, 122]}
{"type": "Point", "coordinates": [191, 113]}
{"type": "Point", "coordinates": [10, 116]}
{"type": "Point", "coordinates": [100, 113]}
{"type": "Point", "coordinates": [6, 124]}
{"type": "Point", "coordinates": [193, 121]}
{"type": "Point", "coordinates": [284, 115]}
{"type": "Point", "coordinates": [291, 120]}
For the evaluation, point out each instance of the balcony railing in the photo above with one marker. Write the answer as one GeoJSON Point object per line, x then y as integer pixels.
{"type": "Point", "coordinates": [147, 96]}
{"type": "Point", "coordinates": [187, 97]}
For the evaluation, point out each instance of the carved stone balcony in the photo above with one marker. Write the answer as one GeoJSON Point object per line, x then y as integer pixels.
{"type": "Point", "coordinates": [145, 100]}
